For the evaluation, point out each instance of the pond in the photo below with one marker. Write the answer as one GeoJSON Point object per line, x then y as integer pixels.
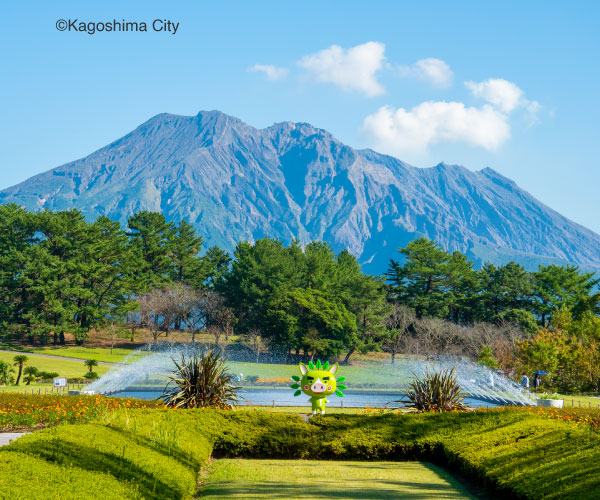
{"type": "Point", "coordinates": [285, 397]}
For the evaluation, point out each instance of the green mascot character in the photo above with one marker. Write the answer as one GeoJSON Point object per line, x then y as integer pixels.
{"type": "Point", "coordinates": [318, 381]}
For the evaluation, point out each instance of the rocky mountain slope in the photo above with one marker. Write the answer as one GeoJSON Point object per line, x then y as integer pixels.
{"type": "Point", "coordinates": [235, 182]}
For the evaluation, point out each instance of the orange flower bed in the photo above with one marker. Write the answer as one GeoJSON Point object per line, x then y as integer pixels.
{"type": "Point", "coordinates": [19, 410]}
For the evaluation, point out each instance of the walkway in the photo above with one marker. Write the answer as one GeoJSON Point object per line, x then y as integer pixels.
{"type": "Point", "coordinates": [7, 437]}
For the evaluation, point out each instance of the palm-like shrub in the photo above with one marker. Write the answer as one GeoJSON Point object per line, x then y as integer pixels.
{"type": "Point", "coordinates": [200, 380]}
{"type": "Point", "coordinates": [19, 361]}
{"type": "Point", "coordinates": [438, 391]}
{"type": "Point", "coordinates": [31, 373]}
{"type": "Point", "coordinates": [90, 363]}
{"type": "Point", "coordinates": [6, 372]}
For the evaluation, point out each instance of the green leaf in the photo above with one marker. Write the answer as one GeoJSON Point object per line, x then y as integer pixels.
{"type": "Point", "coordinates": [297, 393]}
{"type": "Point", "coordinates": [296, 378]}
{"type": "Point", "coordinates": [295, 386]}
{"type": "Point", "coordinates": [341, 386]}
{"type": "Point", "coordinates": [341, 379]}
{"type": "Point", "coordinates": [319, 365]}
{"type": "Point", "coordinates": [326, 365]}
{"type": "Point", "coordinates": [311, 365]}
{"type": "Point", "coordinates": [339, 393]}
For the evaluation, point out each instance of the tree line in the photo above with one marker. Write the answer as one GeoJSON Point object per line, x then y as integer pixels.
{"type": "Point", "coordinates": [62, 274]}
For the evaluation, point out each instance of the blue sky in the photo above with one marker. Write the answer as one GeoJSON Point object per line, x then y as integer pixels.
{"type": "Point", "coordinates": [509, 85]}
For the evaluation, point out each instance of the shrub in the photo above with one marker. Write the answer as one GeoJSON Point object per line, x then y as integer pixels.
{"type": "Point", "coordinates": [156, 471]}
{"type": "Point", "coordinates": [436, 392]}
{"type": "Point", "coordinates": [47, 375]}
{"type": "Point", "coordinates": [545, 395]}
{"type": "Point", "coordinates": [200, 380]}
{"type": "Point", "coordinates": [91, 376]}
{"type": "Point", "coordinates": [31, 374]}
{"type": "Point", "coordinates": [529, 453]}
{"type": "Point", "coordinates": [6, 373]}
{"type": "Point", "coordinates": [23, 477]}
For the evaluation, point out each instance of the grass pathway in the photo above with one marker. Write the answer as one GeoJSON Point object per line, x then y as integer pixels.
{"type": "Point", "coordinates": [315, 480]}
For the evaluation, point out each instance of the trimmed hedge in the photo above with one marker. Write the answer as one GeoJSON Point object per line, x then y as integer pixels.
{"type": "Point", "coordinates": [143, 457]}
{"type": "Point", "coordinates": [520, 453]}
{"type": "Point", "coordinates": [156, 453]}
{"type": "Point", "coordinates": [23, 477]}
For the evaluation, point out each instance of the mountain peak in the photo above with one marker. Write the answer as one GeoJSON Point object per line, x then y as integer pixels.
{"type": "Point", "coordinates": [234, 182]}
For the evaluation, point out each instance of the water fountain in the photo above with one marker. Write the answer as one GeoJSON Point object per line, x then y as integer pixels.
{"type": "Point", "coordinates": [144, 374]}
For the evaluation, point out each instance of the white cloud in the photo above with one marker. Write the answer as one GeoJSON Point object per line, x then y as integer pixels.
{"type": "Point", "coordinates": [431, 70]}
{"type": "Point", "coordinates": [271, 72]}
{"type": "Point", "coordinates": [400, 131]}
{"type": "Point", "coordinates": [501, 93]}
{"type": "Point", "coordinates": [351, 69]}
{"type": "Point", "coordinates": [504, 95]}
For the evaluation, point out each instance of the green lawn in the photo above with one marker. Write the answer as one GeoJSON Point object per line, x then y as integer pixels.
{"type": "Point", "coordinates": [65, 368]}
{"type": "Point", "coordinates": [586, 401]}
{"type": "Point", "coordinates": [384, 374]}
{"type": "Point", "coordinates": [299, 479]}
{"type": "Point", "coordinates": [98, 353]}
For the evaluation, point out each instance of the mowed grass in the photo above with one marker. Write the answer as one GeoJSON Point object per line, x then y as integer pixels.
{"type": "Point", "coordinates": [98, 353]}
{"type": "Point", "coordinates": [573, 400]}
{"type": "Point", "coordinates": [301, 479]}
{"type": "Point", "coordinates": [64, 367]}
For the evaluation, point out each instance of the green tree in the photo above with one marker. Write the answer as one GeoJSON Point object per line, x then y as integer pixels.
{"type": "Point", "coordinates": [90, 363]}
{"type": "Point", "coordinates": [503, 289]}
{"type": "Point", "coordinates": [325, 326]}
{"type": "Point", "coordinates": [102, 283]}
{"type": "Point", "coordinates": [365, 297]}
{"type": "Point", "coordinates": [17, 235]}
{"type": "Point", "coordinates": [216, 267]}
{"type": "Point", "coordinates": [426, 279]}
{"type": "Point", "coordinates": [150, 238]}
{"type": "Point", "coordinates": [261, 278]}
{"type": "Point", "coordinates": [461, 289]}
{"type": "Point", "coordinates": [557, 286]}
{"type": "Point", "coordinates": [187, 266]}
{"type": "Point", "coordinates": [19, 361]}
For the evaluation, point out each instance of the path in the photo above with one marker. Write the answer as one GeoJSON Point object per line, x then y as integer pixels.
{"type": "Point", "coordinates": [64, 358]}
{"type": "Point", "coordinates": [7, 437]}
{"type": "Point", "coordinates": [326, 480]}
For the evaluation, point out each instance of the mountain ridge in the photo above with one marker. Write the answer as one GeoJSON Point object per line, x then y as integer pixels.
{"type": "Point", "coordinates": [293, 180]}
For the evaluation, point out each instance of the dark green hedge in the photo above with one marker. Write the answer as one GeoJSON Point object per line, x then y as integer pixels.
{"type": "Point", "coordinates": [154, 453]}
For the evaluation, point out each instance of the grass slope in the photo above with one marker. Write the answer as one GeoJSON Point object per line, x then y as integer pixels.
{"type": "Point", "coordinates": [293, 479]}
{"type": "Point", "coordinates": [65, 368]}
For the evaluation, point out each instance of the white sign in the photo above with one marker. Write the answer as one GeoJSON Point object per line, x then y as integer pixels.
{"type": "Point", "coordinates": [60, 382]}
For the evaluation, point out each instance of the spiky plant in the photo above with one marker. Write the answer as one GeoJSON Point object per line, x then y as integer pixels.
{"type": "Point", "coordinates": [438, 391]}
{"type": "Point", "coordinates": [200, 379]}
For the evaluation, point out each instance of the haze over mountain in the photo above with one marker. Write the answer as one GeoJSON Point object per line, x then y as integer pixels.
{"type": "Point", "coordinates": [234, 182]}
